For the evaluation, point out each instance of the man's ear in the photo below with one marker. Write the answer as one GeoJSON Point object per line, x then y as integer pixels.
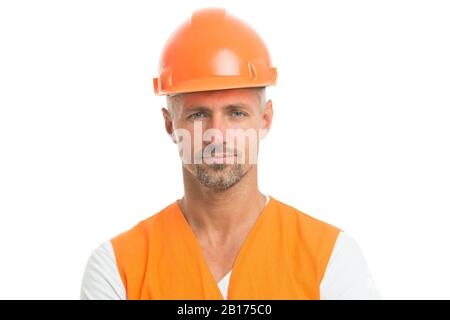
{"type": "Point", "coordinates": [168, 124]}
{"type": "Point", "coordinates": [267, 118]}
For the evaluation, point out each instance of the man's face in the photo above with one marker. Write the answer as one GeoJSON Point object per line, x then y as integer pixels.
{"type": "Point", "coordinates": [218, 133]}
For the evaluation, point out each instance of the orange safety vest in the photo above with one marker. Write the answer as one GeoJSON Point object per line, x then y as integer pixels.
{"type": "Point", "coordinates": [284, 256]}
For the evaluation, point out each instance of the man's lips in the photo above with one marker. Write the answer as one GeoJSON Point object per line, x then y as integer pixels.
{"type": "Point", "coordinates": [219, 158]}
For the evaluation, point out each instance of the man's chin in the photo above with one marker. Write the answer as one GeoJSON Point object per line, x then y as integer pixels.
{"type": "Point", "coordinates": [220, 185]}
{"type": "Point", "coordinates": [219, 177]}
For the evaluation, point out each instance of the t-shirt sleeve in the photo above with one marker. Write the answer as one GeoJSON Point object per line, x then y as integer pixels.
{"type": "Point", "coordinates": [101, 278]}
{"type": "Point", "coordinates": [347, 276]}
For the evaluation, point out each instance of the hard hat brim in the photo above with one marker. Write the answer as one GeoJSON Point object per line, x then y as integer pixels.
{"type": "Point", "coordinates": [213, 83]}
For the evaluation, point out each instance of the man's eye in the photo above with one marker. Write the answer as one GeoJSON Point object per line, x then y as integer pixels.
{"type": "Point", "coordinates": [197, 115]}
{"type": "Point", "coordinates": [238, 114]}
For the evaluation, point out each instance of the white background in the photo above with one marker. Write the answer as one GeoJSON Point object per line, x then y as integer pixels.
{"type": "Point", "coordinates": [360, 137]}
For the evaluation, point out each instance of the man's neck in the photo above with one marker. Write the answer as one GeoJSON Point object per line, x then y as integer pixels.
{"type": "Point", "coordinates": [217, 218]}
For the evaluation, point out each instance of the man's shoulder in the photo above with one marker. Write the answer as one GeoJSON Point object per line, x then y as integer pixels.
{"type": "Point", "coordinates": [139, 231]}
{"type": "Point", "coordinates": [301, 219]}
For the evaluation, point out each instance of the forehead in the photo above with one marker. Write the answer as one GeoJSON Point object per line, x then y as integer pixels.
{"type": "Point", "coordinates": [218, 98]}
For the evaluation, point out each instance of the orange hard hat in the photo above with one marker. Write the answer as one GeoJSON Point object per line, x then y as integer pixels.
{"type": "Point", "coordinates": [213, 50]}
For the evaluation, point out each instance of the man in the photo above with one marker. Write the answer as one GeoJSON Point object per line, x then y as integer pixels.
{"type": "Point", "coordinates": [224, 239]}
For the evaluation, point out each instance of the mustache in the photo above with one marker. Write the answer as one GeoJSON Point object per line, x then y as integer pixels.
{"type": "Point", "coordinates": [209, 150]}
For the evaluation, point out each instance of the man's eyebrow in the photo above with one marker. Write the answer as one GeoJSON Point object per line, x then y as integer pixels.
{"type": "Point", "coordinates": [202, 108]}
{"type": "Point", "coordinates": [205, 108]}
{"type": "Point", "coordinates": [236, 106]}
{"type": "Point", "coordinates": [196, 108]}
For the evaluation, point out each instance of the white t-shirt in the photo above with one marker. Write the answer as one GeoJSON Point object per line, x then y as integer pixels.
{"type": "Point", "coordinates": [346, 277]}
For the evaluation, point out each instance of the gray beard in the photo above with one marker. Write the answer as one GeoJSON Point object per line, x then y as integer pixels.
{"type": "Point", "coordinates": [218, 176]}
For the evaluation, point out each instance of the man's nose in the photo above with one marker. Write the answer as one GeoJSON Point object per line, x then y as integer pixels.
{"type": "Point", "coordinates": [218, 125]}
